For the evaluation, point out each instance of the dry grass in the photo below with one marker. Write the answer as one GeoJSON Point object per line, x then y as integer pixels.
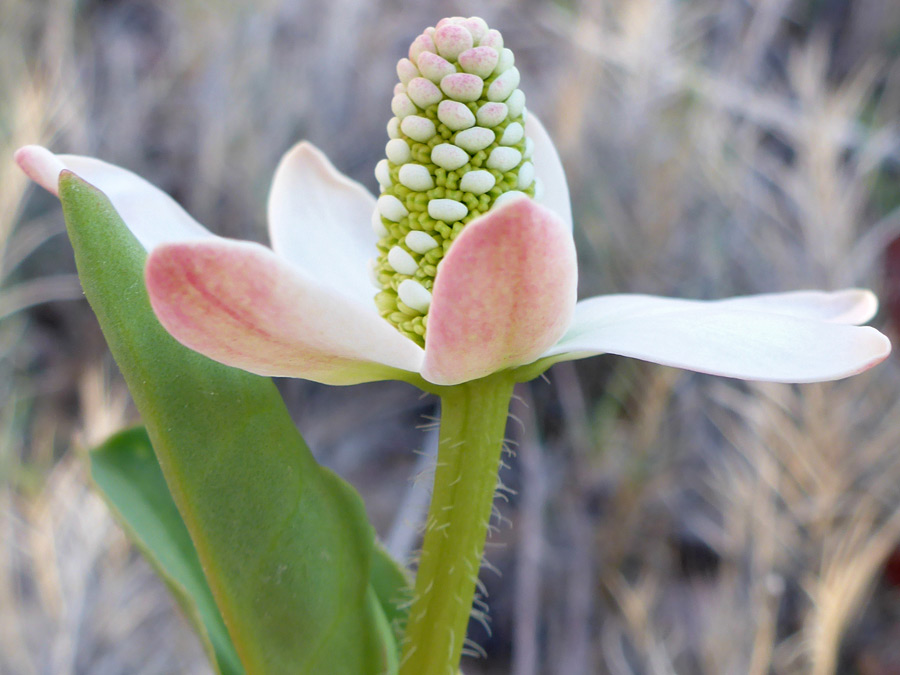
{"type": "Point", "coordinates": [664, 522]}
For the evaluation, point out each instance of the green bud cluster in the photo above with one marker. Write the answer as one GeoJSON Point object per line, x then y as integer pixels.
{"type": "Point", "coordinates": [457, 146]}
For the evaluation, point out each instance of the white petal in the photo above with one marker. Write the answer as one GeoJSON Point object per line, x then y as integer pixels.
{"type": "Point", "coordinates": [793, 337]}
{"type": "Point", "coordinates": [151, 215]}
{"type": "Point", "coordinates": [320, 221]}
{"type": "Point", "coordinates": [549, 169]}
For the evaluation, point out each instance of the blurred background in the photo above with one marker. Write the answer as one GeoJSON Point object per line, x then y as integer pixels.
{"type": "Point", "coordinates": [657, 521]}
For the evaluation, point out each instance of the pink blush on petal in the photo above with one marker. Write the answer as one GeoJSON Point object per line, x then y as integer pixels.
{"type": "Point", "coordinates": [504, 293]}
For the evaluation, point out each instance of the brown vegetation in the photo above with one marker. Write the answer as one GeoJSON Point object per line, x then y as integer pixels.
{"type": "Point", "coordinates": [661, 522]}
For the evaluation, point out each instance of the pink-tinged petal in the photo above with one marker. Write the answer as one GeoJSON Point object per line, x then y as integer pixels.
{"type": "Point", "coordinates": [320, 220]}
{"type": "Point", "coordinates": [549, 169]}
{"type": "Point", "coordinates": [503, 294]}
{"type": "Point", "coordinates": [41, 166]}
{"type": "Point", "coordinates": [151, 215]}
{"type": "Point", "coordinates": [776, 338]}
{"type": "Point", "coordinates": [240, 304]}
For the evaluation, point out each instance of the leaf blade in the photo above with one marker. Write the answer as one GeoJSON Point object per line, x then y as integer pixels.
{"type": "Point", "coordinates": [284, 543]}
{"type": "Point", "coordinates": [125, 470]}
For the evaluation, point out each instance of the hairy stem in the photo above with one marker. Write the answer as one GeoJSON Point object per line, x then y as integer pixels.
{"type": "Point", "coordinates": [473, 420]}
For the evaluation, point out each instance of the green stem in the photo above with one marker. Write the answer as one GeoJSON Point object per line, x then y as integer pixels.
{"type": "Point", "coordinates": [473, 421]}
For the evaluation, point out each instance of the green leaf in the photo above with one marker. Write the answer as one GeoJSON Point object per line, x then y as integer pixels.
{"type": "Point", "coordinates": [128, 476]}
{"type": "Point", "coordinates": [285, 544]}
{"type": "Point", "coordinates": [392, 586]}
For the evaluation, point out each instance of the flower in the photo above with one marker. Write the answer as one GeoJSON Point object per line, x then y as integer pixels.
{"type": "Point", "coordinates": [503, 296]}
{"type": "Point", "coordinates": [505, 299]}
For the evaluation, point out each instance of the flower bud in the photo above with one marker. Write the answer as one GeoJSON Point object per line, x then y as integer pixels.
{"type": "Point", "coordinates": [457, 146]}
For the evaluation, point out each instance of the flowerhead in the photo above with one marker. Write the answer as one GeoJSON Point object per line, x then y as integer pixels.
{"type": "Point", "coordinates": [463, 266]}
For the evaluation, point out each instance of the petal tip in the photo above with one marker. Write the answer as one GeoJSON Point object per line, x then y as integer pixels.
{"type": "Point", "coordinates": [41, 166]}
{"type": "Point", "coordinates": [868, 303]}
{"type": "Point", "coordinates": [879, 348]}
{"type": "Point", "coordinates": [306, 151]}
{"type": "Point", "coordinates": [522, 206]}
{"type": "Point", "coordinates": [883, 346]}
{"type": "Point", "coordinates": [858, 305]}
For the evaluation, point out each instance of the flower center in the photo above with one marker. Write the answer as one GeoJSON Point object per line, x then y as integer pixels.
{"type": "Point", "coordinates": [457, 148]}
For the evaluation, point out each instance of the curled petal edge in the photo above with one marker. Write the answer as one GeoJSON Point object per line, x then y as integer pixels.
{"type": "Point", "coordinates": [549, 169]}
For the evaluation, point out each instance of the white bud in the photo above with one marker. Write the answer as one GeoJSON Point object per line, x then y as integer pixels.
{"type": "Point", "coordinates": [393, 127]}
{"type": "Point", "coordinates": [512, 134]}
{"type": "Point", "coordinates": [538, 189]}
{"type": "Point", "coordinates": [416, 177]}
{"type": "Point", "coordinates": [420, 242]}
{"type": "Point", "coordinates": [474, 139]}
{"type": "Point", "coordinates": [448, 210]}
{"type": "Point", "coordinates": [406, 70]}
{"type": "Point", "coordinates": [477, 182]}
{"type": "Point", "coordinates": [397, 150]}
{"type": "Point", "coordinates": [452, 40]}
{"type": "Point", "coordinates": [526, 176]}
{"type": "Point", "coordinates": [476, 26]}
{"type": "Point", "coordinates": [402, 105]}
{"type": "Point", "coordinates": [455, 115]}
{"type": "Point", "coordinates": [391, 208]}
{"type": "Point", "coordinates": [383, 174]}
{"type": "Point", "coordinates": [516, 103]}
{"type": "Point", "coordinates": [402, 261]}
{"type": "Point", "coordinates": [491, 114]}
{"type": "Point", "coordinates": [448, 156]}
{"type": "Point", "coordinates": [504, 159]}
{"type": "Point", "coordinates": [463, 87]}
{"type": "Point", "coordinates": [373, 273]}
{"type": "Point", "coordinates": [420, 45]}
{"type": "Point", "coordinates": [423, 92]}
{"type": "Point", "coordinates": [507, 197]}
{"type": "Point", "coordinates": [492, 39]}
{"type": "Point", "coordinates": [377, 225]}
{"type": "Point", "coordinates": [529, 148]}
{"type": "Point", "coordinates": [418, 128]}
{"type": "Point", "coordinates": [479, 61]}
{"type": "Point", "coordinates": [505, 61]}
{"type": "Point", "coordinates": [450, 19]}
{"type": "Point", "coordinates": [414, 295]}
{"type": "Point", "coordinates": [435, 67]}
{"type": "Point", "coordinates": [504, 85]}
